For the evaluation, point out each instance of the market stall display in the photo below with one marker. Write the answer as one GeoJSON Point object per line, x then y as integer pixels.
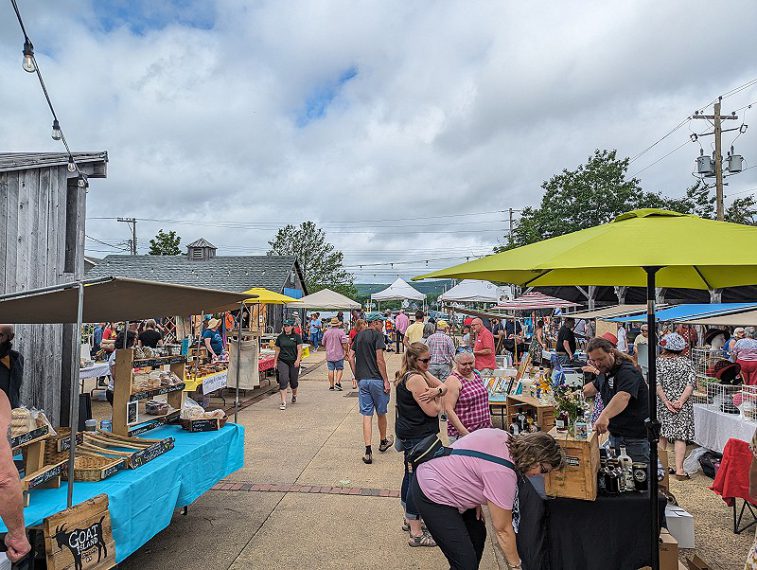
{"type": "Point", "coordinates": [713, 428]}
{"type": "Point", "coordinates": [29, 432]}
{"type": "Point", "coordinates": [137, 381]}
{"type": "Point", "coordinates": [578, 478]}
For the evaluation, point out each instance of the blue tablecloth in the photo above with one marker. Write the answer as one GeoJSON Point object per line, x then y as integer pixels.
{"type": "Point", "coordinates": [143, 500]}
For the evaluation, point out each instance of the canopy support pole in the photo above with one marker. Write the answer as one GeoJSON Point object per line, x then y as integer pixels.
{"type": "Point", "coordinates": [653, 426]}
{"type": "Point", "coordinates": [239, 361]}
{"type": "Point", "coordinates": [75, 389]}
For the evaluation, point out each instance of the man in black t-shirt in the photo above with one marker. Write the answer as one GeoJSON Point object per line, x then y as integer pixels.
{"type": "Point", "coordinates": [566, 341]}
{"type": "Point", "coordinates": [368, 365]}
{"type": "Point", "coordinates": [626, 399]}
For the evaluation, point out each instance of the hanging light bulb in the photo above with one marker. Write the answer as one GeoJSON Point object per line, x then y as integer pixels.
{"type": "Point", "coordinates": [29, 64]}
{"type": "Point", "coordinates": [57, 135]}
{"type": "Point", "coordinates": [71, 164]}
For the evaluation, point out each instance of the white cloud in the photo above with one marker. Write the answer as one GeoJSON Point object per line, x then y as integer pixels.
{"type": "Point", "coordinates": [456, 107]}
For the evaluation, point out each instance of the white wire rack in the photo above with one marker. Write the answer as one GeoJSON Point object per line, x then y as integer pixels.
{"type": "Point", "coordinates": [746, 402]}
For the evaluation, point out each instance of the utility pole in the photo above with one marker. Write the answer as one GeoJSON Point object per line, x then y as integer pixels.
{"type": "Point", "coordinates": [510, 231]}
{"type": "Point", "coordinates": [133, 223]}
{"type": "Point", "coordinates": [716, 119]}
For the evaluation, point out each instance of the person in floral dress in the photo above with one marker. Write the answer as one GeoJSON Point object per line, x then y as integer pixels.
{"type": "Point", "coordinates": [676, 380]}
{"type": "Point", "coordinates": [751, 559]}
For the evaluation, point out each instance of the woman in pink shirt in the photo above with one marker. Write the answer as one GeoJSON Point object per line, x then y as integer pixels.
{"type": "Point", "coordinates": [449, 491]}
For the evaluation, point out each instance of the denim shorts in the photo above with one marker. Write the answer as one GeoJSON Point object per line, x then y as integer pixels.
{"type": "Point", "coordinates": [371, 395]}
{"type": "Point", "coordinates": [335, 364]}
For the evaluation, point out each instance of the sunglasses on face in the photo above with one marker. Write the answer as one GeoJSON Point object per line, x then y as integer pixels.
{"type": "Point", "coordinates": [425, 360]}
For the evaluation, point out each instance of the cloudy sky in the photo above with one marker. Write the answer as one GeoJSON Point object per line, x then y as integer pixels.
{"type": "Point", "coordinates": [405, 129]}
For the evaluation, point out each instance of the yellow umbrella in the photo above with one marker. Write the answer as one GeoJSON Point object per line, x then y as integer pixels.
{"type": "Point", "coordinates": [643, 247]}
{"type": "Point", "coordinates": [264, 296]}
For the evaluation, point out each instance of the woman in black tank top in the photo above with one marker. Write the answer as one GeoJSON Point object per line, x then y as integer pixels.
{"type": "Point", "coordinates": [418, 405]}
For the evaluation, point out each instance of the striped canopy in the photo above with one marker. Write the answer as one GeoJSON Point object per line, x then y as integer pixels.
{"type": "Point", "coordinates": [534, 301]}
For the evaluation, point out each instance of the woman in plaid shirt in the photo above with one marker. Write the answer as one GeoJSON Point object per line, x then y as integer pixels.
{"type": "Point", "coordinates": [467, 400]}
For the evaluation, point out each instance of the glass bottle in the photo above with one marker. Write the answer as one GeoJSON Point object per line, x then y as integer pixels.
{"type": "Point", "coordinates": [562, 421]}
{"type": "Point", "coordinates": [626, 467]}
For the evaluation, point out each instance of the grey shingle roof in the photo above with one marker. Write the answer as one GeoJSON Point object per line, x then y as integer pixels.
{"type": "Point", "coordinates": [202, 242]}
{"type": "Point", "coordinates": [25, 160]}
{"type": "Point", "coordinates": [228, 273]}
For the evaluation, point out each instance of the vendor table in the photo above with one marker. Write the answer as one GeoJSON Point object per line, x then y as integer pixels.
{"type": "Point", "coordinates": [266, 363]}
{"type": "Point", "coordinates": [611, 532]}
{"type": "Point", "coordinates": [713, 428]}
{"type": "Point", "coordinates": [143, 500]}
{"type": "Point", "coordinates": [94, 370]}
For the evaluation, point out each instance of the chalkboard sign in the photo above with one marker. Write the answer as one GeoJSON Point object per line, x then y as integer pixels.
{"type": "Point", "coordinates": [146, 455]}
{"type": "Point", "coordinates": [213, 424]}
{"type": "Point", "coordinates": [45, 477]}
{"type": "Point", "coordinates": [25, 438]}
{"type": "Point", "coordinates": [157, 392]}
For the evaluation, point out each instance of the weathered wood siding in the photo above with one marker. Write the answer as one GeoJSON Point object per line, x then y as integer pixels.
{"type": "Point", "coordinates": [32, 252]}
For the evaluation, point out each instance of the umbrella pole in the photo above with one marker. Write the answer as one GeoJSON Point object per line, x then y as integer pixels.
{"type": "Point", "coordinates": [653, 426]}
{"type": "Point", "coordinates": [74, 404]}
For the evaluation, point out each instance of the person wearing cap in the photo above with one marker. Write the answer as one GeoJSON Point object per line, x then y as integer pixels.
{"type": "Point", "coordinates": [442, 351]}
{"type": "Point", "coordinates": [368, 365]}
{"type": "Point", "coordinates": [745, 350]}
{"type": "Point", "coordinates": [286, 361]}
{"type": "Point", "coordinates": [676, 379]}
{"type": "Point", "coordinates": [212, 338]}
{"type": "Point", "coordinates": [641, 350]}
{"type": "Point", "coordinates": [337, 346]}
{"type": "Point", "coordinates": [625, 396]}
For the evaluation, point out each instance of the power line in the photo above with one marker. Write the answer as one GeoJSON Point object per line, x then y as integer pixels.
{"type": "Point", "coordinates": [105, 243]}
{"type": "Point", "coordinates": [658, 141]}
{"type": "Point", "coordinates": [661, 158]}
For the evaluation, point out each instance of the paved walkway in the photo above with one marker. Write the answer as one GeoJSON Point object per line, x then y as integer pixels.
{"type": "Point", "coordinates": [304, 498]}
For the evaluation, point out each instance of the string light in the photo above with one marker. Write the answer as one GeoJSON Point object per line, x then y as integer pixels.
{"type": "Point", "coordinates": [29, 64]}
{"type": "Point", "coordinates": [57, 135]}
{"type": "Point", "coordinates": [71, 164]}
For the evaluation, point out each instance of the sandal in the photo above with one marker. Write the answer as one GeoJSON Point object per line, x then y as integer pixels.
{"type": "Point", "coordinates": [406, 526]}
{"type": "Point", "coordinates": [424, 539]}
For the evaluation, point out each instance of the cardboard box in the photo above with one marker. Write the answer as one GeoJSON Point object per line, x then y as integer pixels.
{"type": "Point", "coordinates": [696, 563]}
{"type": "Point", "coordinates": [663, 456]}
{"type": "Point", "coordinates": [681, 525]}
{"type": "Point", "coordinates": [668, 551]}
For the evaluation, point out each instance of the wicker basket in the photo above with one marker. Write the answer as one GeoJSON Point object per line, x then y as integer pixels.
{"type": "Point", "coordinates": [56, 446]}
{"type": "Point", "coordinates": [91, 467]}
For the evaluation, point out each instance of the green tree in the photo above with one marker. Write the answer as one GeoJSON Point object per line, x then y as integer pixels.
{"type": "Point", "coordinates": [165, 243]}
{"type": "Point", "coordinates": [595, 193]}
{"type": "Point", "coordinates": [322, 265]}
{"type": "Point", "coordinates": [742, 211]}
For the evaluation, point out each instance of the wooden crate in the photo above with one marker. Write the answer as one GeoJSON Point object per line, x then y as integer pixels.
{"type": "Point", "coordinates": [545, 413]}
{"type": "Point", "coordinates": [578, 478]}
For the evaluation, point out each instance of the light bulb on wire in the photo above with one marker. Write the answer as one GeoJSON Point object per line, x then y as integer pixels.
{"type": "Point", "coordinates": [57, 135]}
{"type": "Point", "coordinates": [71, 164]}
{"type": "Point", "coordinates": [29, 64]}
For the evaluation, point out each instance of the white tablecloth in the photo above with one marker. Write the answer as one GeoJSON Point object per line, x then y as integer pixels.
{"type": "Point", "coordinates": [95, 370]}
{"type": "Point", "coordinates": [713, 428]}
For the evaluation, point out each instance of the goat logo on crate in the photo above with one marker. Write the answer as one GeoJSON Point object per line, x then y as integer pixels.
{"type": "Point", "coordinates": [81, 538]}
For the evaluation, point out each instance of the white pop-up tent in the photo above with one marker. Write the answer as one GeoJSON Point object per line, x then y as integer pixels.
{"type": "Point", "coordinates": [325, 299]}
{"type": "Point", "coordinates": [472, 291]}
{"type": "Point", "coordinates": [398, 291]}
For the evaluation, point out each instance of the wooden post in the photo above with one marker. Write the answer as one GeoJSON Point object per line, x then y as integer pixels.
{"type": "Point", "coordinates": [122, 389]}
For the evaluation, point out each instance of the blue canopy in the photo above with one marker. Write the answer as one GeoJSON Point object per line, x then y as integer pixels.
{"type": "Point", "coordinates": [680, 312]}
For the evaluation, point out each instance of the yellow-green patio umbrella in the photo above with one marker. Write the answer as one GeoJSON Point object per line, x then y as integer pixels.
{"type": "Point", "coordinates": [649, 247]}
{"type": "Point", "coordinates": [264, 296]}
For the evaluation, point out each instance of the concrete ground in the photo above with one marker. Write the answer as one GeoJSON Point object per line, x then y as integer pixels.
{"type": "Point", "coordinates": [304, 498]}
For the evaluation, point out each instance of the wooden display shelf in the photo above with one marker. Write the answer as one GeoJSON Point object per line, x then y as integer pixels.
{"type": "Point", "coordinates": [36, 473]}
{"type": "Point", "coordinates": [147, 425]}
{"type": "Point", "coordinates": [544, 413]}
{"type": "Point", "coordinates": [163, 390]}
{"type": "Point", "coordinates": [27, 439]}
{"type": "Point", "coordinates": [123, 388]}
{"type": "Point", "coordinates": [44, 475]}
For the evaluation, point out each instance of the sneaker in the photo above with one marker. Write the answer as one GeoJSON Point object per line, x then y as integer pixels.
{"type": "Point", "coordinates": [283, 406]}
{"type": "Point", "coordinates": [331, 388]}
{"type": "Point", "coordinates": [386, 444]}
{"type": "Point", "coordinates": [294, 399]}
{"type": "Point", "coordinates": [368, 458]}
{"type": "Point", "coordinates": [338, 387]}
{"type": "Point", "coordinates": [424, 539]}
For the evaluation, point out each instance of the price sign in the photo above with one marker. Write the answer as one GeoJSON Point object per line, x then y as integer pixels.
{"type": "Point", "coordinates": [215, 382]}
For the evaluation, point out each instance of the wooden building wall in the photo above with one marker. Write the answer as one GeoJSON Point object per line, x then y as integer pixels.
{"type": "Point", "coordinates": [35, 205]}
